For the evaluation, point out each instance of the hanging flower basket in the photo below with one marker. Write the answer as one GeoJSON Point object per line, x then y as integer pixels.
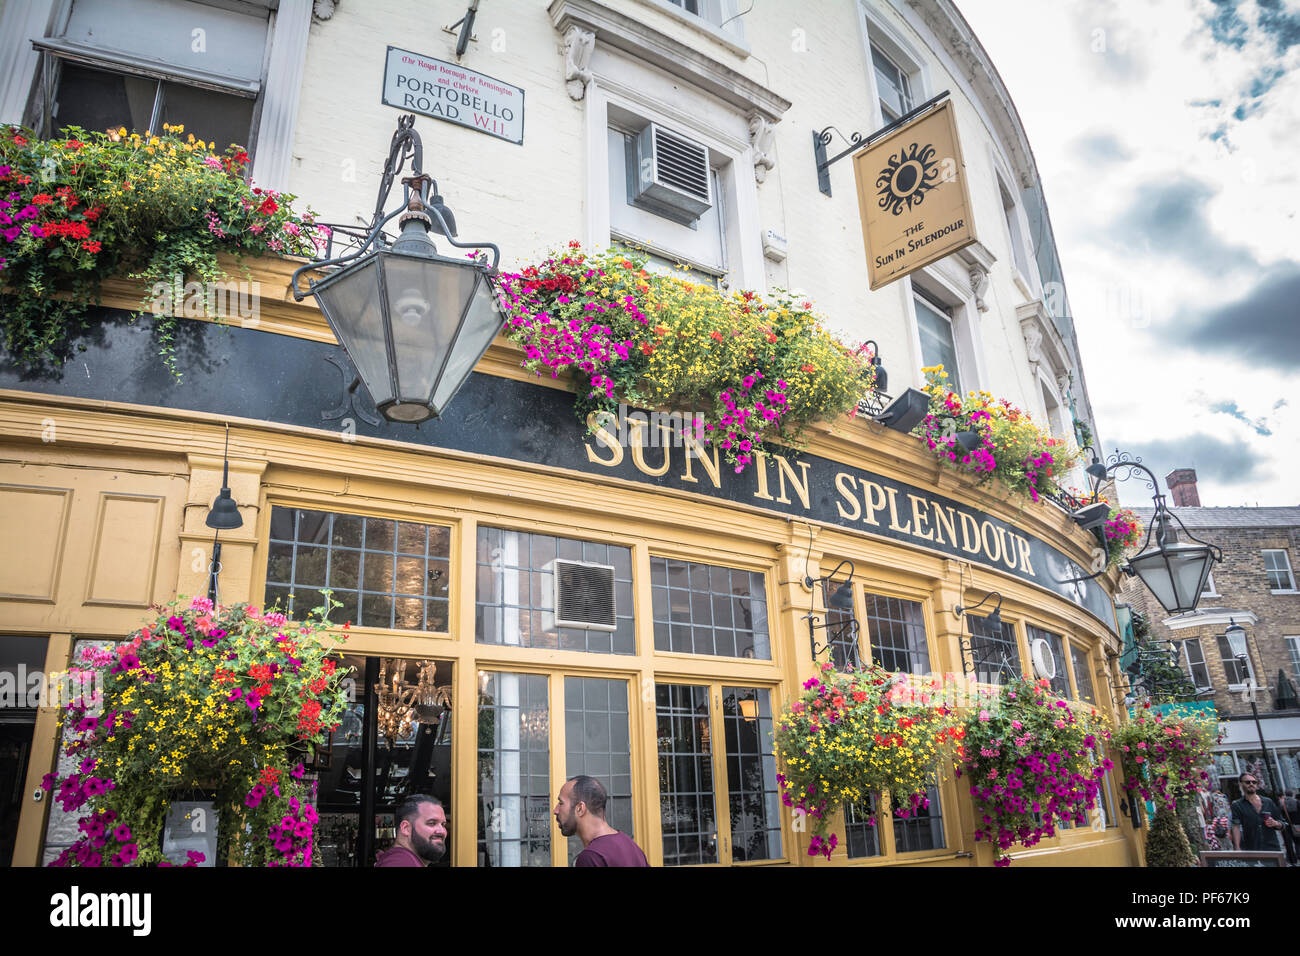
{"type": "Point", "coordinates": [1033, 761]}
{"type": "Point", "coordinates": [859, 733]}
{"type": "Point", "coordinates": [1164, 756]}
{"type": "Point", "coordinates": [206, 698]}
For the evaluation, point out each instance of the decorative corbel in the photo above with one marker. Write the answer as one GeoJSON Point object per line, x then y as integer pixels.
{"type": "Point", "coordinates": [979, 284]}
{"type": "Point", "coordinates": [324, 9]}
{"type": "Point", "coordinates": [1033, 341]}
{"type": "Point", "coordinates": [578, 47]}
{"type": "Point", "coordinates": [762, 137]}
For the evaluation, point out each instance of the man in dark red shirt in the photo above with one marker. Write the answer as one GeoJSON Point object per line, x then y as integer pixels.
{"type": "Point", "coordinates": [421, 833]}
{"type": "Point", "coordinates": [580, 809]}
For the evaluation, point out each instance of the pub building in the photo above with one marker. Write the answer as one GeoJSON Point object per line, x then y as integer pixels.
{"type": "Point", "coordinates": [530, 597]}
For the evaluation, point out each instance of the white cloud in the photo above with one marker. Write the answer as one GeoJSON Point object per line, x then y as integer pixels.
{"type": "Point", "coordinates": [1129, 107]}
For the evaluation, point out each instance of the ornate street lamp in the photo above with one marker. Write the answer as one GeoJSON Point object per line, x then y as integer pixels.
{"type": "Point", "coordinates": [1173, 570]}
{"type": "Point", "coordinates": [413, 322]}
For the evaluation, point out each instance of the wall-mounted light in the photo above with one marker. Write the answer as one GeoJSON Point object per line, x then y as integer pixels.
{"type": "Point", "coordinates": [222, 516]}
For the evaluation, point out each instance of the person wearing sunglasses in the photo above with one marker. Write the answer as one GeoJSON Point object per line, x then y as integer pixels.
{"type": "Point", "coordinates": [1255, 818]}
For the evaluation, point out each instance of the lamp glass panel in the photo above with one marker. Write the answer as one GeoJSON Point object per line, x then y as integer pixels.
{"type": "Point", "coordinates": [1190, 566]}
{"type": "Point", "coordinates": [1151, 568]}
{"type": "Point", "coordinates": [425, 300]}
{"type": "Point", "coordinates": [351, 304]}
{"type": "Point", "coordinates": [481, 325]}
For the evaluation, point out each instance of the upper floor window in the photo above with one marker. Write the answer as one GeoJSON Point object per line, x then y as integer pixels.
{"type": "Point", "coordinates": [1210, 589]}
{"type": "Point", "coordinates": [938, 346]}
{"type": "Point", "coordinates": [140, 64]}
{"type": "Point", "coordinates": [1012, 215]}
{"type": "Point", "coordinates": [386, 573]}
{"type": "Point", "coordinates": [896, 629]}
{"type": "Point", "coordinates": [1236, 658]}
{"type": "Point", "coordinates": [726, 15]}
{"type": "Point", "coordinates": [666, 199]}
{"type": "Point", "coordinates": [1194, 661]}
{"type": "Point", "coordinates": [893, 86]}
{"type": "Point", "coordinates": [1293, 648]}
{"type": "Point", "coordinates": [1278, 566]}
{"type": "Point", "coordinates": [516, 595]}
{"type": "Point", "coordinates": [706, 609]}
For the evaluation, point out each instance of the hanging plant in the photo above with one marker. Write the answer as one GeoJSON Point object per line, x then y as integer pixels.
{"type": "Point", "coordinates": [1011, 447]}
{"type": "Point", "coordinates": [744, 372]}
{"type": "Point", "coordinates": [1033, 762]}
{"type": "Point", "coordinates": [855, 734]}
{"type": "Point", "coordinates": [1122, 531]}
{"type": "Point", "coordinates": [1164, 756]}
{"type": "Point", "coordinates": [78, 209]}
{"type": "Point", "coordinates": [222, 699]}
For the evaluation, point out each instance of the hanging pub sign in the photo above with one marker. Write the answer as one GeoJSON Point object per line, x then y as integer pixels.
{"type": "Point", "coordinates": [913, 196]}
{"type": "Point", "coordinates": [445, 91]}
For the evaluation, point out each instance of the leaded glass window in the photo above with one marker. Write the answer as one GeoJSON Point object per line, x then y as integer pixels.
{"type": "Point", "coordinates": [515, 592]}
{"type": "Point", "coordinates": [861, 837]}
{"type": "Point", "coordinates": [841, 631]}
{"type": "Point", "coordinates": [897, 633]}
{"type": "Point", "coordinates": [1061, 682]}
{"type": "Point", "coordinates": [597, 743]}
{"type": "Point", "coordinates": [386, 573]}
{"type": "Point", "coordinates": [1082, 674]}
{"type": "Point", "coordinates": [922, 829]}
{"type": "Point", "coordinates": [514, 777]}
{"type": "Point", "coordinates": [687, 815]}
{"type": "Point", "coordinates": [994, 650]}
{"type": "Point", "coordinates": [706, 609]}
{"type": "Point", "coordinates": [751, 774]}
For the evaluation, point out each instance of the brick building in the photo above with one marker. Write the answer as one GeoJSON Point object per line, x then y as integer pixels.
{"type": "Point", "coordinates": [1255, 587]}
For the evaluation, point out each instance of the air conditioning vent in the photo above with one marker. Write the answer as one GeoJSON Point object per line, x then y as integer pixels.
{"type": "Point", "coordinates": [673, 176]}
{"type": "Point", "coordinates": [583, 595]}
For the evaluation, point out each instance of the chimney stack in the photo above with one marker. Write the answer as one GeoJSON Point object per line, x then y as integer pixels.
{"type": "Point", "coordinates": [1182, 485]}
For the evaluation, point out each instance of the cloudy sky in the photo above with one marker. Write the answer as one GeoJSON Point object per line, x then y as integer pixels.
{"type": "Point", "coordinates": [1167, 135]}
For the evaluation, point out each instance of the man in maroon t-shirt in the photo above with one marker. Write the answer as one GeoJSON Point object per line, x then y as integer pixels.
{"type": "Point", "coordinates": [421, 833]}
{"type": "Point", "coordinates": [580, 809]}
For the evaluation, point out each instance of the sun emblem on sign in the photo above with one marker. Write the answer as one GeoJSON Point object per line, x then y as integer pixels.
{"type": "Point", "coordinates": [907, 177]}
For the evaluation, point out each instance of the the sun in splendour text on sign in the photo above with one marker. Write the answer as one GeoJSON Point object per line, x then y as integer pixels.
{"type": "Point", "coordinates": [445, 91]}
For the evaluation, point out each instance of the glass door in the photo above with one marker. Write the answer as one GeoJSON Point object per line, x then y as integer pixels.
{"type": "Point", "coordinates": [398, 726]}
{"type": "Point", "coordinates": [22, 668]}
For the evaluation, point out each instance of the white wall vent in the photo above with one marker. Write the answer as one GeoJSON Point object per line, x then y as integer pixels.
{"type": "Point", "coordinates": [582, 595]}
{"type": "Point", "coordinates": [673, 176]}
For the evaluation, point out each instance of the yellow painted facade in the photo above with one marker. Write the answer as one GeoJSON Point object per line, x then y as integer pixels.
{"type": "Point", "coordinates": [103, 508]}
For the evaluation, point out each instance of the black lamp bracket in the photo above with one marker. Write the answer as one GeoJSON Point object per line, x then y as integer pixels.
{"type": "Point", "coordinates": [846, 634]}
{"type": "Point", "coordinates": [822, 139]}
{"type": "Point", "coordinates": [959, 610]}
{"type": "Point", "coordinates": [419, 195]}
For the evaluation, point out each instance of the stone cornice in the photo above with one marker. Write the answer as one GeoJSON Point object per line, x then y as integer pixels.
{"type": "Point", "coordinates": [619, 31]}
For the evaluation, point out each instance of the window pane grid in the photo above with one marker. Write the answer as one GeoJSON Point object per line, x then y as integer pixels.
{"type": "Point", "coordinates": [1293, 646]}
{"type": "Point", "coordinates": [707, 609]}
{"type": "Point", "coordinates": [897, 634]}
{"type": "Point", "coordinates": [861, 838]}
{"type": "Point", "coordinates": [1278, 567]}
{"type": "Point", "coordinates": [1194, 657]}
{"type": "Point", "coordinates": [685, 774]}
{"type": "Point", "coordinates": [514, 825]}
{"type": "Point", "coordinates": [995, 652]}
{"type": "Point", "coordinates": [1082, 674]}
{"type": "Point", "coordinates": [923, 830]}
{"type": "Point", "coordinates": [597, 743]}
{"type": "Point", "coordinates": [514, 590]}
{"type": "Point", "coordinates": [385, 573]}
{"type": "Point", "coordinates": [751, 774]}
{"type": "Point", "coordinates": [1061, 682]}
{"type": "Point", "coordinates": [841, 633]}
